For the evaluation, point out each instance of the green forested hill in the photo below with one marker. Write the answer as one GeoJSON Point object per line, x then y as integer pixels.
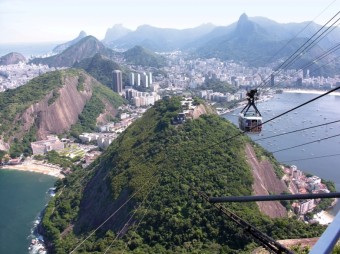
{"type": "Point", "coordinates": [154, 166]}
{"type": "Point", "coordinates": [144, 57]}
{"type": "Point", "coordinates": [101, 68]}
{"type": "Point", "coordinates": [69, 98]}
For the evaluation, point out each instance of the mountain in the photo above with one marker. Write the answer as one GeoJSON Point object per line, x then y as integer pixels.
{"type": "Point", "coordinates": [115, 33]}
{"type": "Point", "coordinates": [301, 30]}
{"type": "Point", "coordinates": [160, 39]}
{"type": "Point", "coordinates": [139, 195]}
{"type": "Point", "coordinates": [85, 48]}
{"type": "Point", "coordinates": [101, 69]}
{"type": "Point", "coordinates": [12, 58]}
{"type": "Point", "coordinates": [52, 104]}
{"type": "Point", "coordinates": [60, 48]}
{"type": "Point", "coordinates": [144, 57]}
{"type": "Point", "coordinates": [255, 44]}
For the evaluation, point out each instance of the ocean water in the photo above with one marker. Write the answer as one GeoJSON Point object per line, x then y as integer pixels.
{"type": "Point", "coordinates": [23, 196]}
{"type": "Point", "coordinates": [28, 49]}
{"type": "Point", "coordinates": [318, 112]}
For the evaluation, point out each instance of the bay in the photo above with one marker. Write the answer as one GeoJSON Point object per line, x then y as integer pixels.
{"type": "Point", "coordinates": [323, 110]}
{"type": "Point", "coordinates": [23, 195]}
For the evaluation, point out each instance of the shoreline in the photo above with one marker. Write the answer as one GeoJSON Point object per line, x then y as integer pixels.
{"type": "Point", "coordinates": [324, 217]}
{"type": "Point", "coordinates": [36, 167]}
{"type": "Point", "coordinates": [307, 91]}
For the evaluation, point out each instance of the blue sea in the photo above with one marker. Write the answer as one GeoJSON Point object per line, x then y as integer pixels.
{"type": "Point", "coordinates": [28, 49]}
{"type": "Point", "coordinates": [324, 110]}
{"type": "Point", "coordinates": [23, 195]}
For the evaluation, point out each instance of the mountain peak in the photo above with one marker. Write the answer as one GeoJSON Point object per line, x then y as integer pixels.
{"type": "Point", "coordinates": [245, 26]}
{"type": "Point", "coordinates": [116, 32]}
{"type": "Point", "coordinates": [243, 17]}
{"type": "Point", "coordinates": [84, 48]}
{"type": "Point", "coordinates": [82, 34]}
{"type": "Point", "coordinates": [60, 48]}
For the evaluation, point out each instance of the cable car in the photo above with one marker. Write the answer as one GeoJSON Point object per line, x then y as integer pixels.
{"type": "Point", "coordinates": [250, 119]}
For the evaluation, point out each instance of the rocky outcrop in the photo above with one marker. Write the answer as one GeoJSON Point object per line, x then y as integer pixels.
{"type": "Point", "coordinates": [201, 110]}
{"type": "Point", "coordinates": [59, 99]}
{"type": "Point", "coordinates": [58, 117]}
{"type": "Point", "coordinates": [266, 182]}
{"type": "Point", "coordinates": [12, 58]}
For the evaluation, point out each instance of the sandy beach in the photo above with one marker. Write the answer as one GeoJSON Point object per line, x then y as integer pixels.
{"type": "Point", "coordinates": [323, 217]}
{"type": "Point", "coordinates": [37, 167]}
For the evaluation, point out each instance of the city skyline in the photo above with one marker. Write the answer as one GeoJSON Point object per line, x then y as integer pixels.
{"type": "Point", "coordinates": [59, 21]}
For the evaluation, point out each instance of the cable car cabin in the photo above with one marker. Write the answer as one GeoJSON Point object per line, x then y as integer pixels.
{"type": "Point", "coordinates": [250, 121]}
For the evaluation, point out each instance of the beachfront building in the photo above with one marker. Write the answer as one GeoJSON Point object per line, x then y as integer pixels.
{"type": "Point", "coordinates": [44, 146]}
{"type": "Point", "coordinates": [304, 206]}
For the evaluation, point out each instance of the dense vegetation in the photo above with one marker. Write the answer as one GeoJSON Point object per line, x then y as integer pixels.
{"type": "Point", "coordinates": [95, 106]}
{"type": "Point", "coordinates": [212, 83]}
{"type": "Point", "coordinates": [144, 57]}
{"type": "Point", "coordinates": [14, 102]}
{"type": "Point", "coordinates": [101, 69]}
{"type": "Point", "coordinates": [23, 146]}
{"type": "Point", "coordinates": [160, 164]}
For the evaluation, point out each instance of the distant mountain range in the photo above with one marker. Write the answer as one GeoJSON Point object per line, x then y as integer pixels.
{"type": "Point", "coordinates": [89, 46]}
{"type": "Point", "coordinates": [156, 39]}
{"type": "Point", "coordinates": [115, 33]}
{"type": "Point", "coordinates": [253, 41]}
{"type": "Point", "coordinates": [164, 39]}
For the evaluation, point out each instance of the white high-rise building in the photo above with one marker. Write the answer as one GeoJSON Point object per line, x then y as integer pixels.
{"type": "Point", "coordinates": [150, 78]}
{"type": "Point", "coordinates": [138, 79]}
{"type": "Point", "coordinates": [145, 80]}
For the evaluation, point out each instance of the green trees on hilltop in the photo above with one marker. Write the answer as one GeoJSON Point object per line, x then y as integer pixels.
{"type": "Point", "coordinates": [15, 101]}
{"type": "Point", "coordinates": [93, 108]}
{"type": "Point", "coordinates": [161, 164]}
{"type": "Point", "coordinates": [13, 104]}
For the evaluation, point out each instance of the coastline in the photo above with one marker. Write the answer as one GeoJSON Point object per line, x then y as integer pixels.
{"type": "Point", "coordinates": [36, 167]}
{"type": "Point", "coordinates": [324, 217]}
{"type": "Point", "coordinates": [307, 91]}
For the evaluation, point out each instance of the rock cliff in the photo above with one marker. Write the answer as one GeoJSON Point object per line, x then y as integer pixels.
{"type": "Point", "coordinates": [52, 109]}
{"type": "Point", "coordinates": [59, 116]}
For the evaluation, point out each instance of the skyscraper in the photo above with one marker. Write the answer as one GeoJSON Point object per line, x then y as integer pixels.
{"type": "Point", "coordinates": [145, 80]}
{"type": "Point", "coordinates": [150, 78]}
{"type": "Point", "coordinates": [117, 81]}
{"type": "Point", "coordinates": [138, 79]}
{"type": "Point", "coordinates": [132, 79]}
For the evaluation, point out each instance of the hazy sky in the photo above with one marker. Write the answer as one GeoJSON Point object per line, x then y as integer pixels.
{"type": "Point", "coordinates": [62, 20]}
